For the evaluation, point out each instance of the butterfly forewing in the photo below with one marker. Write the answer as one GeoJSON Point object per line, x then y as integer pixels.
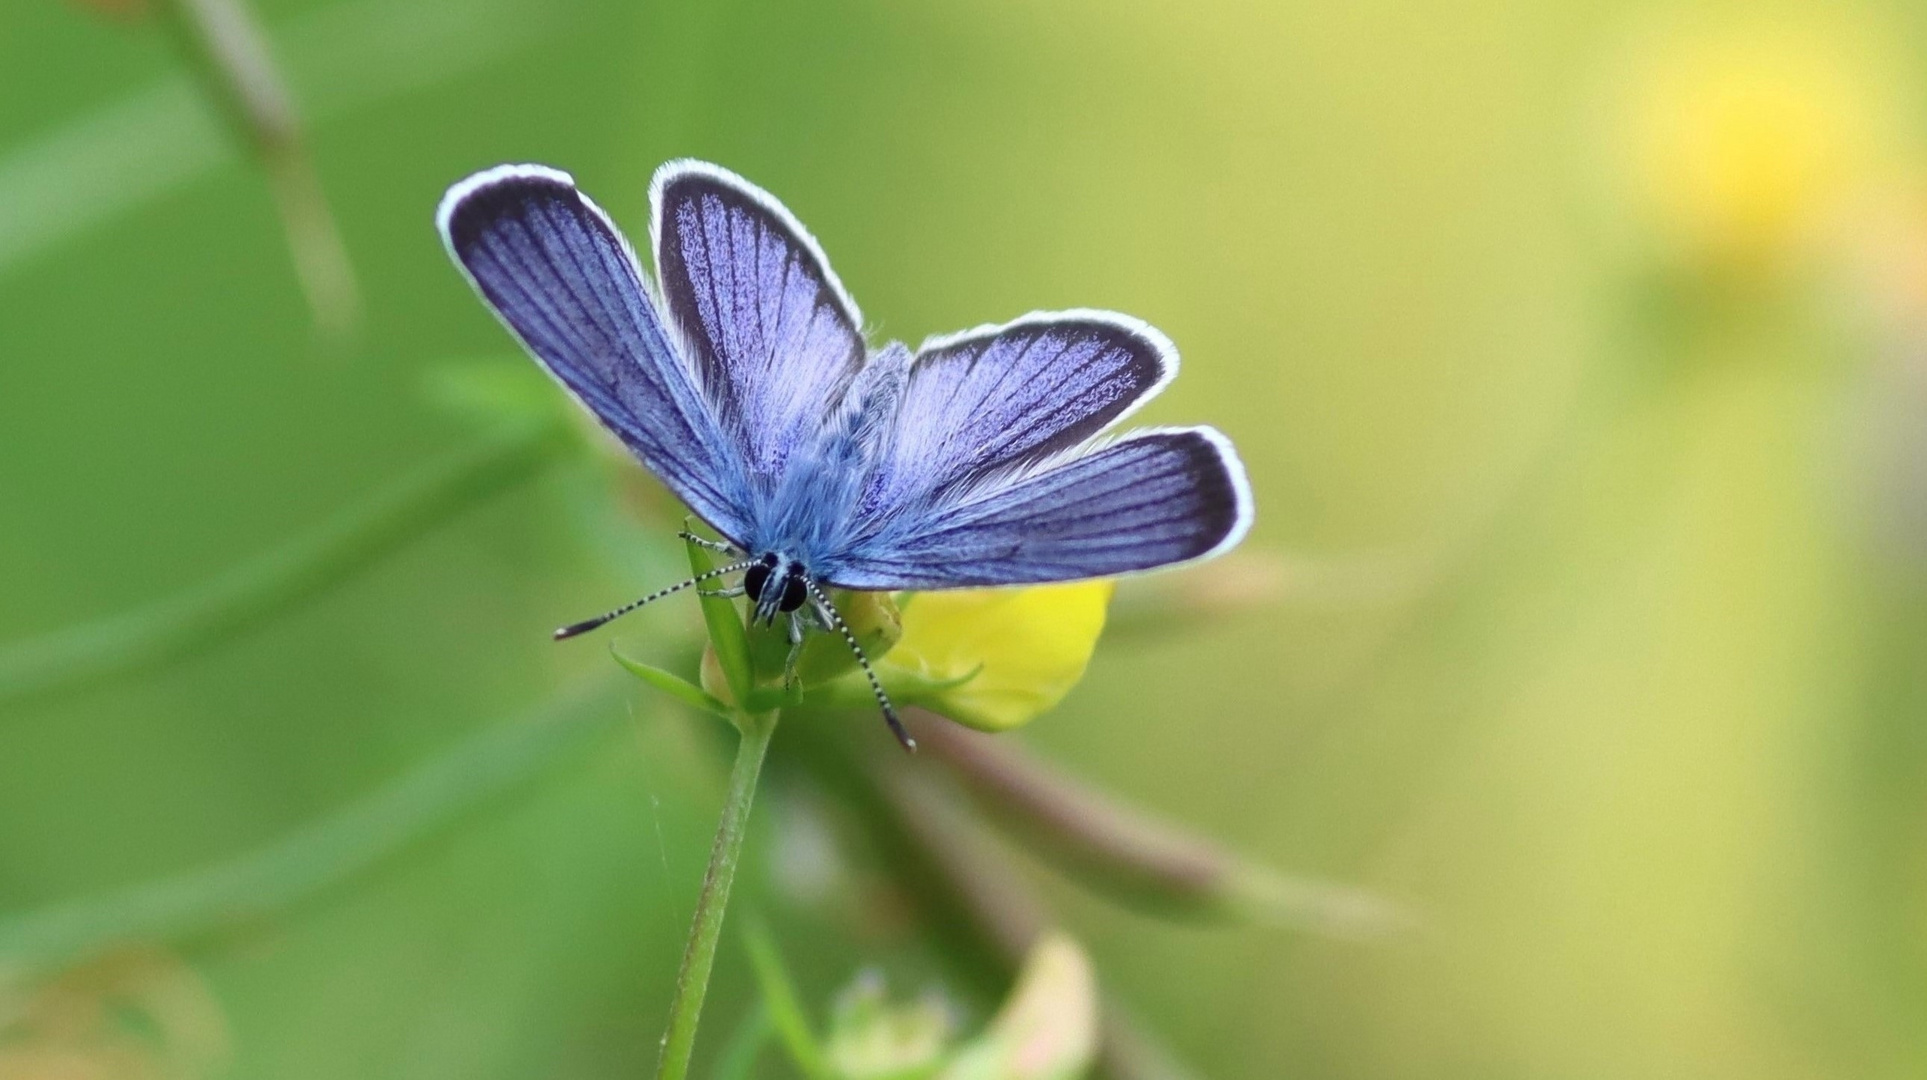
{"type": "Point", "coordinates": [772, 334]}
{"type": "Point", "coordinates": [557, 273]}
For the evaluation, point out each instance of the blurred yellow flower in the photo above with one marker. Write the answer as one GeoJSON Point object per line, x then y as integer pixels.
{"type": "Point", "coordinates": [1027, 646]}
{"type": "Point", "coordinates": [1747, 142]}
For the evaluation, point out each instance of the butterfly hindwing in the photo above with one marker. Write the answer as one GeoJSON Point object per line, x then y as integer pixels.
{"type": "Point", "coordinates": [773, 336]}
{"type": "Point", "coordinates": [1000, 398]}
{"type": "Point", "coordinates": [1150, 499]}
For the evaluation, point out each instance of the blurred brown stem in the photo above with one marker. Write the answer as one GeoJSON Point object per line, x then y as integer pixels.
{"type": "Point", "coordinates": [1252, 580]}
{"type": "Point", "coordinates": [1006, 912]}
{"type": "Point", "coordinates": [229, 53]}
{"type": "Point", "coordinates": [976, 900]}
{"type": "Point", "coordinates": [1128, 855]}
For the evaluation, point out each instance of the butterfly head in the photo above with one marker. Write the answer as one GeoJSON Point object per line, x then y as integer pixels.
{"type": "Point", "coordinates": [775, 584]}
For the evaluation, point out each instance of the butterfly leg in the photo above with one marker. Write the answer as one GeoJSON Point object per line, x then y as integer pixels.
{"type": "Point", "coordinates": [796, 650]}
{"type": "Point", "coordinates": [730, 593]}
{"type": "Point", "coordinates": [712, 545]}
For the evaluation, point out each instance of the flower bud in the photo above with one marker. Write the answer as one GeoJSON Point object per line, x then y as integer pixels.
{"type": "Point", "coordinates": [872, 1038]}
{"type": "Point", "coordinates": [871, 616]}
{"type": "Point", "coordinates": [1047, 1028]}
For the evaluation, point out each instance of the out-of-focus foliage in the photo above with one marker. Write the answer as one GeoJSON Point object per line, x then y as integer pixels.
{"type": "Point", "coordinates": [1045, 1029]}
{"type": "Point", "coordinates": [138, 1014]}
{"type": "Point", "coordinates": [1608, 321]}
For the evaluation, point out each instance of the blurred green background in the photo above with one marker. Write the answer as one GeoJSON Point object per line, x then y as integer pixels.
{"type": "Point", "coordinates": [1578, 353]}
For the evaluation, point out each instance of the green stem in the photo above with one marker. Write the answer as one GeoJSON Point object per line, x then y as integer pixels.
{"type": "Point", "coordinates": [699, 956]}
{"type": "Point", "coordinates": [178, 626]}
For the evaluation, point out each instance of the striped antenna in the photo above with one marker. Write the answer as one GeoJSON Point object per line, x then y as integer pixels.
{"type": "Point", "coordinates": [883, 700]}
{"type": "Point", "coordinates": [574, 629]}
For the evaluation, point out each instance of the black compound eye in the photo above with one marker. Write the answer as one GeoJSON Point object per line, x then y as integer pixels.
{"type": "Point", "coordinates": [754, 579]}
{"type": "Point", "coordinates": [794, 593]}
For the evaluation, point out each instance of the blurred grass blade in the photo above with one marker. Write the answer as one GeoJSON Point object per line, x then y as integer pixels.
{"type": "Point", "coordinates": [181, 625]}
{"type": "Point", "coordinates": [745, 1044]}
{"type": "Point", "coordinates": [115, 159]}
{"type": "Point", "coordinates": [319, 856]}
{"type": "Point", "coordinates": [229, 54]}
{"type": "Point", "coordinates": [1127, 855]}
{"type": "Point", "coordinates": [674, 685]}
{"type": "Point", "coordinates": [780, 999]}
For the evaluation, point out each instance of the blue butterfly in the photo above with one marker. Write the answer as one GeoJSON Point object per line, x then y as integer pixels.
{"type": "Point", "coordinates": [742, 380]}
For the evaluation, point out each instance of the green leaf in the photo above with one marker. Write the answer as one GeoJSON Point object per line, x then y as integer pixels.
{"type": "Point", "coordinates": [726, 634]}
{"type": "Point", "coordinates": [674, 685]}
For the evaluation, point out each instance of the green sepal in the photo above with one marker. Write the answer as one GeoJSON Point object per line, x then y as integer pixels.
{"type": "Point", "coordinates": [674, 685]}
{"type": "Point", "coordinates": [725, 624]}
{"type": "Point", "coordinates": [905, 687]}
{"type": "Point", "coordinates": [769, 647]}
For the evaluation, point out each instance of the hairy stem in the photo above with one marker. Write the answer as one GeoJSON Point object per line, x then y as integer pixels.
{"type": "Point", "coordinates": [186, 623]}
{"type": "Point", "coordinates": [705, 932]}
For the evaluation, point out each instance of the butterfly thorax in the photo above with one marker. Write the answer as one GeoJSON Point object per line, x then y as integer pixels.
{"type": "Point", "coordinates": [810, 510]}
{"type": "Point", "coordinates": [805, 523]}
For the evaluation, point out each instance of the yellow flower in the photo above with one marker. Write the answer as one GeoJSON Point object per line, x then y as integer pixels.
{"type": "Point", "coordinates": [1028, 647]}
